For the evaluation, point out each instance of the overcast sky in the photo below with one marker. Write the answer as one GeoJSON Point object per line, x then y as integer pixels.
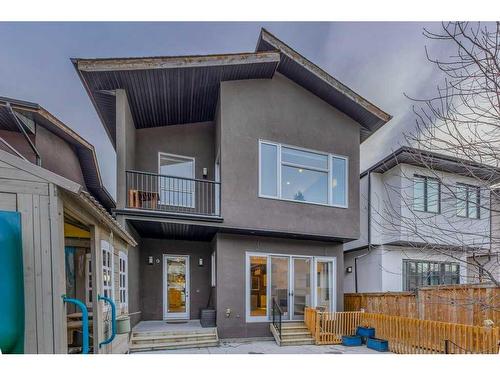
{"type": "Point", "coordinates": [380, 61]}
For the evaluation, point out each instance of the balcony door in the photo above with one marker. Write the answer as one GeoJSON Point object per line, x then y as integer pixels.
{"type": "Point", "coordinates": [175, 182]}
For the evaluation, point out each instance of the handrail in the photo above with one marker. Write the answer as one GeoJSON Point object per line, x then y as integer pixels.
{"type": "Point", "coordinates": [113, 319]}
{"type": "Point", "coordinates": [277, 322]}
{"type": "Point", "coordinates": [169, 176]}
{"type": "Point", "coordinates": [85, 322]}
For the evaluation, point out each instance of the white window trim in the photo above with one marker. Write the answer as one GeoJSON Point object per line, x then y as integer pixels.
{"type": "Point", "coordinates": [193, 190]}
{"type": "Point", "coordinates": [122, 256]}
{"type": "Point", "coordinates": [105, 246]}
{"type": "Point", "coordinates": [313, 281]}
{"type": "Point", "coordinates": [88, 272]}
{"type": "Point", "coordinates": [279, 164]}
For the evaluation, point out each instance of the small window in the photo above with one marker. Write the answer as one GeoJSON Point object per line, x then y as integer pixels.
{"type": "Point", "coordinates": [417, 273]}
{"type": "Point", "coordinates": [123, 277]}
{"type": "Point", "coordinates": [426, 194]}
{"type": "Point", "coordinates": [107, 269]}
{"type": "Point", "coordinates": [294, 174]}
{"type": "Point", "coordinates": [88, 280]}
{"type": "Point", "coordinates": [468, 201]}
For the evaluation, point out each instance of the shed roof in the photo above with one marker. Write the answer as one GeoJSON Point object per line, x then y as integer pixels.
{"type": "Point", "coordinates": [85, 151]}
{"type": "Point", "coordinates": [71, 187]}
{"type": "Point", "coordinates": [169, 90]}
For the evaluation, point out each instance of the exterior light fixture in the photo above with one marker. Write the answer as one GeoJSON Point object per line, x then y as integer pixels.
{"type": "Point", "coordinates": [348, 270]}
{"type": "Point", "coordinates": [200, 262]}
{"type": "Point", "coordinates": [205, 172]}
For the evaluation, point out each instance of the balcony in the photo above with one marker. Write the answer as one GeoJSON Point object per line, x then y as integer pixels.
{"type": "Point", "coordinates": [174, 195]}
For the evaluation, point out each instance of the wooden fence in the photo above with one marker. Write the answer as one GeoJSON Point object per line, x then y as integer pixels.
{"type": "Point", "coordinates": [405, 335]}
{"type": "Point", "coordinates": [462, 304]}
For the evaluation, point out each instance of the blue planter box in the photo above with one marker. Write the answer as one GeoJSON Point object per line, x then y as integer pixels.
{"type": "Point", "coordinates": [351, 340]}
{"type": "Point", "coordinates": [365, 332]}
{"type": "Point", "coordinates": [377, 344]}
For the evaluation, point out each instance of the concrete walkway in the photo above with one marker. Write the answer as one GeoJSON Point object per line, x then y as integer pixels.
{"type": "Point", "coordinates": [269, 347]}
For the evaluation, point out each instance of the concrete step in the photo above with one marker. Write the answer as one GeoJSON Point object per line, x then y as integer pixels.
{"type": "Point", "coordinates": [294, 330]}
{"type": "Point", "coordinates": [150, 339]}
{"type": "Point", "coordinates": [298, 341]}
{"type": "Point", "coordinates": [174, 345]}
{"type": "Point", "coordinates": [173, 333]}
{"type": "Point", "coordinates": [295, 334]}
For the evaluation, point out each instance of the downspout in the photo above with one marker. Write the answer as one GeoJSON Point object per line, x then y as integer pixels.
{"type": "Point", "coordinates": [30, 142]}
{"type": "Point", "coordinates": [369, 232]}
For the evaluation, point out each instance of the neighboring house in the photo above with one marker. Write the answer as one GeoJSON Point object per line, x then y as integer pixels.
{"type": "Point", "coordinates": [31, 132]}
{"type": "Point", "coordinates": [238, 175]}
{"type": "Point", "coordinates": [60, 210]}
{"type": "Point", "coordinates": [419, 225]}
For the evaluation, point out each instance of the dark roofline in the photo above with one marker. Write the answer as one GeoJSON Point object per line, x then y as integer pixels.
{"type": "Point", "coordinates": [284, 48]}
{"type": "Point", "coordinates": [394, 158]}
{"type": "Point", "coordinates": [310, 77]}
{"type": "Point", "coordinates": [99, 191]}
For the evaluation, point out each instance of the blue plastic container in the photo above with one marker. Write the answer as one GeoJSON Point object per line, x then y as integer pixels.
{"type": "Point", "coordinates": [351, 341]}
{"type": "Point", "coordinates": [365, 332]}
{"type": "Point", "coordinates": [377, 344]}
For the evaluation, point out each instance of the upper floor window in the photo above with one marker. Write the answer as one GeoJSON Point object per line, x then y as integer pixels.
{"type": "Point", "coordinates": [417, 273]}
{"type": "Point", "coordinates": [426, 194]}
{"type": "Point", "coordinates": [176, 184]}
{"type": "Point", "coordinates": [296, 174]}
{"type": "Point", "coordinates": [468, 201]}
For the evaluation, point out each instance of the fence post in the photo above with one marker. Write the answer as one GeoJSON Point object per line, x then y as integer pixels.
{"type": "Point", "coordinates": [446, 346]}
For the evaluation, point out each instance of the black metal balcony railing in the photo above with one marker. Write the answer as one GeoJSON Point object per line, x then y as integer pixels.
{"type": "Point", "coordinates": [172, 194]}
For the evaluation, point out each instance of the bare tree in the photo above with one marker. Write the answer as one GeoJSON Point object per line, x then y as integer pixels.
{"type": "Point", "coordinates": [461, 121]}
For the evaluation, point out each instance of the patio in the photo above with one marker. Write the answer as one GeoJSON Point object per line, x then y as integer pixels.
{"type": "Point", "coordinates": [269, 347]}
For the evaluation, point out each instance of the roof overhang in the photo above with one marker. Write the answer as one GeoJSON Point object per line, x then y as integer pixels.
{"type": "Point", "coordinates": [84, 150]}
{"type": "Point", "coordinates": [435, 161]}
{"type": "Point", "coordinates": [168, 90]}
{"type": "Point", "coordinates": [302, 71]}
{"type": "Point", "coordinates": [185, 89]}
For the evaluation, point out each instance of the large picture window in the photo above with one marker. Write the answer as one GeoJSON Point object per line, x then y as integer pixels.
{"type": "Point", "coordinates": [468, 201]}
{"type": "Point", "coordinates": [426, 194]}
{"type": "Point", "coordinates": [417, 273]}
{"type": "Point", "coordinates": [294, 174]}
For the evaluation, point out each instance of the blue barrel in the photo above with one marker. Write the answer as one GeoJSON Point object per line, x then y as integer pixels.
{"type": "Point", "coordinates": [11, 283]}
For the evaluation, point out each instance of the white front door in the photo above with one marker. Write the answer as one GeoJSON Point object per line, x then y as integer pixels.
{"type": "Point", "coordinates": [175, 287]}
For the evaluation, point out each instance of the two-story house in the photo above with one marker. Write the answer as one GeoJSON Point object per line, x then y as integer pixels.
{"type": "Point", "coordinates": [423, 217]}
{"type": "Point", "coordinates": [238, 175]}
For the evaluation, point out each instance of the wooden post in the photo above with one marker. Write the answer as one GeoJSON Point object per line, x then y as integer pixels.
{"type": "Point", "coordinates": [96, 256]}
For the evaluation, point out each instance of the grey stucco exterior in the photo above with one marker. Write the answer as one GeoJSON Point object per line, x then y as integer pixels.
{"type": "Point", "coordinates": [276, 110]}
{"type": "Point", "coordinates": [231, 252]}
{"type": "Point", "coordinates": [279, 110]}
{"type": "Point", "coordinates": [192, 140]}
{"type": "Point", "coordinates": [151, 277]}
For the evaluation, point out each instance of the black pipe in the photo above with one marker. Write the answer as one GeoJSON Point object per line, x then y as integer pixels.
{"type": "Point", "coordinates": [369, 230]}
{"type": "Point", "coordinates": [30, 142]}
